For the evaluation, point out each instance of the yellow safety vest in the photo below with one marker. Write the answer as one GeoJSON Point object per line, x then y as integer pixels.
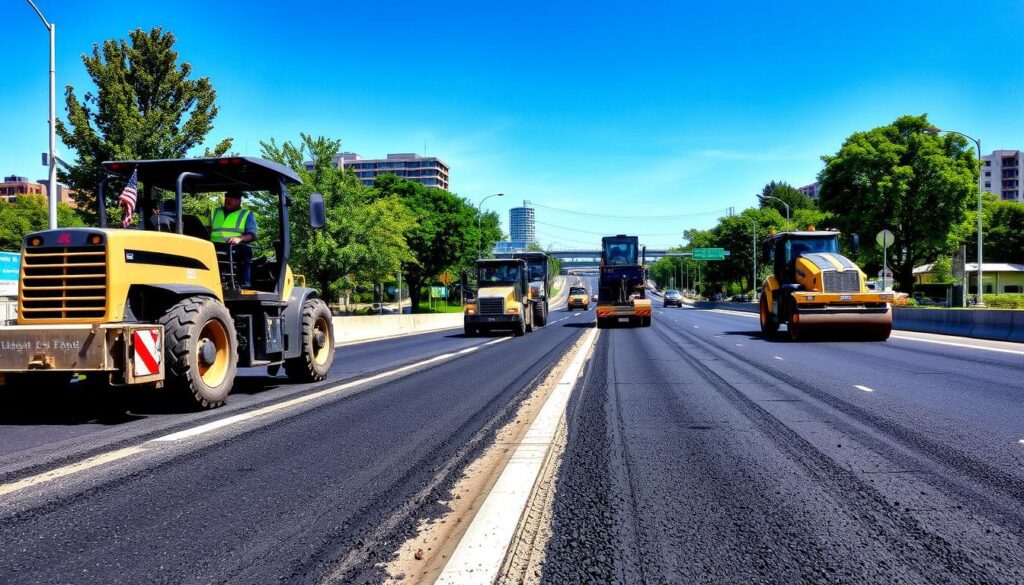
{"type": "Point", "coordinates": [225, 226]}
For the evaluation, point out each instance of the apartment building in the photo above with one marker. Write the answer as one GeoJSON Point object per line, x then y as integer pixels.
{"type": "Point", "coordinates": [1001, 174]}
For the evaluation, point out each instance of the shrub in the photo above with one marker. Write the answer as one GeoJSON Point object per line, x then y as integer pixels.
{"type": "Point", "coordinates": [1005, 301]}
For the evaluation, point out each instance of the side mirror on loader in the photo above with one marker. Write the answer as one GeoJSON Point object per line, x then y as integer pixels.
{"type": "Point", "coordinates": [317, 211]}
{"type": "Point", "coordinates": [855, 244]}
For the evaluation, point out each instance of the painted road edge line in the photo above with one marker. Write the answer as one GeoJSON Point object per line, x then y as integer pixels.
{"type": "Point", "coordinates": [481, 552]}
{"type": "Point", "coordinates": [66, 470]}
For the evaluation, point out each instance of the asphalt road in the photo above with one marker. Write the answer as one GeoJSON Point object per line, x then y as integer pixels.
{"type": "Point", "coordinates": [700, 452]}
{"type": "Point", "coordinates": [287, 484]}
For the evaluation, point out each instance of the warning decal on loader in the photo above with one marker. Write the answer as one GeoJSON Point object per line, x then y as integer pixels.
{"type": "Point", "coordinates": [147, 351]}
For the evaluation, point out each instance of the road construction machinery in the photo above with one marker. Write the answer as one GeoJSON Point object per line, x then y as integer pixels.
{"type": "Point", "coordinates": [540, 284]}
{"type": "Point", "coordinates": [502, 300]}
{"type": "Point", "coordinates": [621, 292]}
{"type": "Point", "coordinates": [158, 303]}
{"type": "Point", "coordinates": [816, 290]}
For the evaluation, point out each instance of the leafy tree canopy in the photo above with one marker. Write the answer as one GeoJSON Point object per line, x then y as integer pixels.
{"type": "Point", "coordinates": [788, 194]}
{"type": "Point", "coordinates": [145, 105]}
{"type": "Point", "coordinates": [30, 213]}
{"type": "Point", "coordinates": [896, 177]}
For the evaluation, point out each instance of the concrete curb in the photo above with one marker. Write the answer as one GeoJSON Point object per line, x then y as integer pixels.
{"type": "Point", "coordinates": [365, 328]}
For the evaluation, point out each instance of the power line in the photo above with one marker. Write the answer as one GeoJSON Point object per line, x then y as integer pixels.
{"type": "Point", "coordinates": [645, 217]}
{"type": "Point", "coordinates": [562, 227]}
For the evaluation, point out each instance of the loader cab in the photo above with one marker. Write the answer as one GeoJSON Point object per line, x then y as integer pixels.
{"type": "Point", "coordinates": [503, 273]}
{"type": "Point", "coordinates": [165, 187]}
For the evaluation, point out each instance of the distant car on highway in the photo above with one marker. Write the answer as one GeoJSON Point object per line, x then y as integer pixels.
{"type": "Point", "coordinates": [578, 298]}
{"type": "Point", "coordinates": [673, 298]}
{"type": "Point", "coordinates": [593, 298]}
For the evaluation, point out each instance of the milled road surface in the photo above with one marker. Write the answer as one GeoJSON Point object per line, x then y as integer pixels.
{"type": "Point", "coordinates": [322, 490]}
{"type": "Point", "coordinates": [700, 452]}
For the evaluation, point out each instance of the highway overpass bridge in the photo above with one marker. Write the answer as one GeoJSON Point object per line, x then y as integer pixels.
{"type": "Point", "coordinates": [584, 258]}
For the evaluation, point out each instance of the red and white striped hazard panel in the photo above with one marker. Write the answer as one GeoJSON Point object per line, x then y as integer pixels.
{"type": "Point", "coordinates": [147, 351]}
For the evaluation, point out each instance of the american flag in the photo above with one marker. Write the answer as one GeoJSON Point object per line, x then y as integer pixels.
{"type": "Point", "coordinates": [129, 197]}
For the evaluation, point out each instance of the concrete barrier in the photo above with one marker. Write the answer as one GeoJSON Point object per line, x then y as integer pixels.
{"type": "Point", "coordinates": [363, 328]}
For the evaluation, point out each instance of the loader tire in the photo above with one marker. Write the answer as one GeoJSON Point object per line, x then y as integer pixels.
{"type": "Point", "coordinates": [200, 351]}
{"type": "Point", "coordinates": [769, 322]}
{"type": "Point", "coordinates": [645, 321]}
{"type": "Point", "coordinates": [528, 318]}
{"type": "Point", "coordinates": [317, 343]}
{"type": "Point", "coordinates": [520, 328]}
{"type": "Point", "coordinates": [471, 331]}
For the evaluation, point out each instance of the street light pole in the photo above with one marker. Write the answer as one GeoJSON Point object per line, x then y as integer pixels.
{"type": "Point", "coordinates": [780, 201]}
{"type": "Point", "coordinates": [52, 158]}
{"type": "Point", "coordinates": [479, 216]}
{"type": "Point", "coordinates": [981, 166]}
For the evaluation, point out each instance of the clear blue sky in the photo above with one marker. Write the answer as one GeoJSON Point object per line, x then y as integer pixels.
{"type": "Point", "coordinates": [609, 108]}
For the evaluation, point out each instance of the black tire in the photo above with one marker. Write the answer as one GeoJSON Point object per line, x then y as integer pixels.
{"type": "Point", "coordinates": [540, 314]}
{"type": "Point", "coordinates": [645, 321]}
{"type": "Point", "coordinates": [528, 314]}
{"type": "Point", "coordinates": [190, 326]}
{"type": "Point", "coordinates": [602, 323]}
{"type": "Point", "coordinates": [317, 343]}
{"type": "Point", "coordinates": [520, 328]}
{"type": "Point", "coordinates": [769, 323]}
{"type": "Point", "coordinates": [471, 331]}
{"type": "Point", "coordinates": [273, 370]}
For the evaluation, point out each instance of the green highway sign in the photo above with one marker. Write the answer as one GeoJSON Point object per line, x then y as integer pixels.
{"type": "Point", "coordinates": [709, 253]}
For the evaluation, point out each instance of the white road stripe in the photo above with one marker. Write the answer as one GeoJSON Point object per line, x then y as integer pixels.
{"type": "Point", "coordinates": [778, 358]}
{"type": "Point", "coordinates": [67, 470]}
{"type": "Point", "coordinates": [955, 344]}
{"type": "Point", "coordinates": [864, 388]}
{"type": "Point", "coordinates": [479, 555]}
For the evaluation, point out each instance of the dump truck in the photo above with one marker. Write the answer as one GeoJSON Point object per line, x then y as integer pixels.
{"type": "Point", "coordinates": [814, 290]}
{"type": "Point", "coordinates": [621, 294]}
{"type": "Point", "coordinates": [158, 303]}
{"type": "Point", "coordinates": [540, 286]}
{"type": "Point", "coordinates": [502, 300]}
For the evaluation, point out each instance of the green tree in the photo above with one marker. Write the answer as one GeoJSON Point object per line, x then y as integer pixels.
{"type": "Point", "coordinates": [365, 235]}
{"type": "Point", "coordinates": [30, 213]}
{"type": "Point", "coordinates": [446, 236]}
{"type": "Point", "coordinates": [787, 193]}
{"type": "Point", "coordinates": [942, 270]}
{"type": "Point", "coordinates": [1002, 231]}
{"type": "Point", "coordinates": [145, 106]}
{"type": "Point", "coordinates": [897, 177]}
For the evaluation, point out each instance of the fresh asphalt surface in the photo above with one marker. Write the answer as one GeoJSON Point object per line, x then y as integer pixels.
{"type": "Point", "coordinates": [700, 452]}
{"type": "Point", "coordinates": [697, 452]}
{"type": "Point", "coordinates": [323, 490]}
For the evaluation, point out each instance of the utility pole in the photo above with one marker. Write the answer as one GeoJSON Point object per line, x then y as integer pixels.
{"type": "Point", "coordinates": [53, 118]}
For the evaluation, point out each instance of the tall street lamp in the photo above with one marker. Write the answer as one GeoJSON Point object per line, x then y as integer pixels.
{"type": "Point", "coordinates": [53, 119]}
{"type": "Point", "coordinates": [753, 254]}
{"type": "Point", "coordinates": [981, 166]}
{"type": "Point", "coordinates": [479, 216]}
{"type": "Point", "coordinates": [763, 197]}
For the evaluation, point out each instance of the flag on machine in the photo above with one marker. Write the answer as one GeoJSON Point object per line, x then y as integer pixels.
{"type": "Point", "coordinates": [129, 197]}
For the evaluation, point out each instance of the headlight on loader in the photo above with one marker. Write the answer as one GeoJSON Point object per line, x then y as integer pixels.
{"type": "Point", "coordinates": [512, 311]}
{"type": "Point", "coordinates": [470, 309]}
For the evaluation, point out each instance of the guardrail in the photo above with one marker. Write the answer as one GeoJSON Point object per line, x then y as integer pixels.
{"type": "Point", "coordinates": [997, 324]}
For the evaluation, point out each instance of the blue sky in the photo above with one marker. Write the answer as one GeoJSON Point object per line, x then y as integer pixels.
{"type": "Point", "coordinates": [668, 112]}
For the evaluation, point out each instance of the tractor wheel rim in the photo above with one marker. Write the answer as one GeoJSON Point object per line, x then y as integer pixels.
{"type": "Point", "coordinates": [322, 332]}
{"type": "Point", "coordinates": [216, 335]}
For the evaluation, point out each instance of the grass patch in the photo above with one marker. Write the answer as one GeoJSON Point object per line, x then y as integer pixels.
{"type": "Point", "coordinates": [439, 307]}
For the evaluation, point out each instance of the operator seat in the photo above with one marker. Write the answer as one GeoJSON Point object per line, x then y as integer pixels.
{"type": "Point", "coordinates": [166, 221]}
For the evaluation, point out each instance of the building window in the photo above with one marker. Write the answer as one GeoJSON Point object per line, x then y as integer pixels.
{"type": "Point", "coordinates": [1012, 288]}
{"type": "Point", "coordinates": [988, 173]}
{"type": "Point", "coordinates": [988, 184]}
{"type": "Point", "coordinates": [988, 163]}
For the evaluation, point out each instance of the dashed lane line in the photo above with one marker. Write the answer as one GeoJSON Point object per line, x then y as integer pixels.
{"type": "Point", "coordinates": [864, 388]}
{"type": "Point", "coordinates": [778, 358]}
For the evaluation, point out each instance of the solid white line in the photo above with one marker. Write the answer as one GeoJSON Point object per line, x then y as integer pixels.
{"type": "Point", "coordinates": [479, 555]}
{"type": "Point", "coordinates": [955, 344]}
{"type": "Point", "coordinates": [864, 388]}
{"type": "Point", "coordinates": [76, 467]}
{"type": "Point", "coordinates": [778, 358]}
{"type": "Point", "coordinates": [499, 340]}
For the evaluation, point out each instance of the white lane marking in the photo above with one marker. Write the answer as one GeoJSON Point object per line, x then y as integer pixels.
{"type": "Point", "coordinates": [739, 345]}
{"type": "Point", "coordinates": [864, 388]}
{"type": "Point", "coordinates": [1021, 441]}
{"type": "Point", "coordinates": [202, 429]}
{"type": "Point", "coordinates": [955, 344]}
{"type": "Point", "coordinates": [479, 555]}
{"type": "Point", "coordinates": [778, 358]}
{"type": "Point", "coordinates": [904, 337]}
{"type": "Point", "coordinates": [696, 326]}
{"type": "Point", "coordinates": [76, 467]}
